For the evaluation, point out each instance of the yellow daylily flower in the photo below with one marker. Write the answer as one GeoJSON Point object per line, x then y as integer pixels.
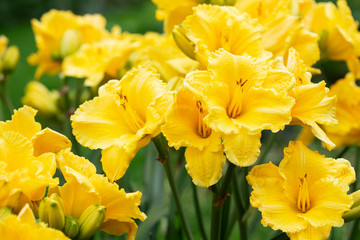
{"type": "Point", "coordinates": [99, 61]}
{"type": "Point", "coordinates": [27, 158]}
{"type": "Point", "coordinates": [338, 31]}
{"type": "Point", "coordinates": [84, 188]}
{"type": "Point", "coordinates": [347, 131]}
{"type": "Point", "coordinates": [237, 105]}
{"type": "Point", "coordinates": [184, 127]}
{"type": "Point", "coordinates": [123, 119]}
{"type": "Point", "coordinates": [283, 28]}
{"type": "Point", "coordinates": [213, 27]}
{"type": "Point", "coordinates": [24, 226]}
{"type": "Point", "coordinates": [167, 58]}
{"type": "Point", "coordinates": [173, 13]}
{"type": "Point", "coordinates": [313, 103]}
{"type": "Point", "coordinates": [43, 140]}
{"type": "Point", "coordinates": [52, 34]}
{"type": "Point", "coordinates": [305, 196]}
{"type": "Point", "coordinates": [39, 97]}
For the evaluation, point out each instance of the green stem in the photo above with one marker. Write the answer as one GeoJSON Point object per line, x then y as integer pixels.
{"type": "Point", "coordinates": [216, 211]}
{"type": "Point", "coordinates": [198, 213]}
{"type": "Point", "coordinates": [345, 149]}
{"type": "Point", "coordinates": [240, 210]}
{"type": "Point", "coordinates": [161, 146]}
{"type": "Point", "coordinates": [268, 146]}
{"type": "Point", "coordinates": [5, 97]}
{"type": "Point", "coordinates": [357, 166]}
{"type": "Point", "coordinates": [218, 200]}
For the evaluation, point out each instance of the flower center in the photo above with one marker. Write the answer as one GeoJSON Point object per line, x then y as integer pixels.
{"type": "Point", "coordinates": [303, 201]}
{"type": "Point", "coordinates": [234, 108]}
{"type": "Point", "coordinates": [202, 129]}
{"type": "Point", "coordinates": [132, 118]}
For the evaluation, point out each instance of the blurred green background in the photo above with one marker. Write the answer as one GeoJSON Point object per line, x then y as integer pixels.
{"type": "Point", "coordinates": [144, 174]}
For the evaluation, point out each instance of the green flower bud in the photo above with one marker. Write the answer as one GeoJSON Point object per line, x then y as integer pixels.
{"type": "Point", "coordinates": [72, 227]}
{"type": "Point", "coordinates": [52, 212]}
{"type": "Point", "coordinates": [70, 42]}
{"type": "Point", "coordinates": [10, 59]}
{"type": "Point", "coordinates": [183, 42]}
{"type": "Point", "coordinates": [91, 220]}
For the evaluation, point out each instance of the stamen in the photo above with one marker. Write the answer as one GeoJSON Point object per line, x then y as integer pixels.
{"type": "Point", "coordinates": [303, 201]}
{"type": "Point", "coordinates": [202, 129]}
{"type": "Point", "coordinates": [235, 106]}
{"type": "Point", "coordinates": [132, 118]}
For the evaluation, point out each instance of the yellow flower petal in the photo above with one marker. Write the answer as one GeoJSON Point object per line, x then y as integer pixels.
{"type": "Point", "coordinates": [77, 197]}
{"type": "Point", "coordinates": [327, 206]}
{"type": "Point", "coordinates": [105, 119]}
{"type": "Point", "coordinates": [77, 163]}
{"type": "Point", "coordinates": [119, 204]}
{"type": "Point", "coordinates": [311, 233]}
{"type": "Point", "coordinates": [116, 158]}
{"type": "Point", "coordinates": [242, 149]}
{"type": "Point", "coordinates": [22, 121]}
{"type": "Point", "coordinates": [48, 140]}
{"type": "Point", "coordinates": [119, 228]}
{"type": "Point", "coordinates": [265, 109]}
{"type": "Point", "coordinates": [204, 167]}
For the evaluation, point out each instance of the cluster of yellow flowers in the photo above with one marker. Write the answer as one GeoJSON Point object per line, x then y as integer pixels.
{"type": "Point", "coordinates": [222, 72]}
{"type": "Point", "coordinates": [85, 203]}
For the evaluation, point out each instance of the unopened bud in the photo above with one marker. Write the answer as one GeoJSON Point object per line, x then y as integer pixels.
{"type": "Point", "coordinates": [4, 212]}
{"type": "Point", "coordinates": [41, 98]}
{"type": "Point", "coordinates": [72, 227]}
{"type": "Point", "coordinates": [10, 59]}
{"type": "Point", "coordinates": [183, 42]}
{"type": "Point", "coordinates": [52, 212]}
{"type": "Point", "coordinates": [91, 220]}
{"type": "Point", "coordinates": [70, 42]}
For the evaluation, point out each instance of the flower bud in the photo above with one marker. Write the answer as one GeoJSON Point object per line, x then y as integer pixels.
{"type": "Point", "coordinates": [4, 212]}
{"type": "Point", "coordinates": [38, 96]}
{"type": "Point", "coordinates": [51, 211]}
{"type": "Point", "coordinates": [72, 227]}
{"type": "Point", "coordinates": [10, 59]}
{"type": "Point", "coordinates": [183, 42]}
{"type": "Point", "coordinates": [91, 220]}
{"type": "Point", "coordinates": [70, 42]}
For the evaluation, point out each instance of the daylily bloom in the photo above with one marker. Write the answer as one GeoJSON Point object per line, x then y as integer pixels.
{"type": "Point", "coordinates": [237, 104]}
{"type": "Point", "coordinates": [27, 158]}
{"type": "Point", "coordinates": [185, 127]}
{"type": "Point", "coordinates": [24, 226]}
{"type": "Point", "coordinates": [338, 31]}
{"type": "Point", "coordinates": [173, 13]}
{"type": "Point", "coordinates": [213, 27]}
{"type": "Point", "coordinates": [84, 188]}
{"type": "Point", "coordinates": [347, 131]}
{"type": "Point", "coordinates": [123, 118]}
{"type": "Point", "coordinates": [313, 103]}
{"type": "Point", "coordinates": [283, 28]}
{"type": "Point", "coordinates": [305, 196]}
{"type": "Point", "coordinates": [99, 61]}
{"type": "Point", "coordinates": [59, 29]}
